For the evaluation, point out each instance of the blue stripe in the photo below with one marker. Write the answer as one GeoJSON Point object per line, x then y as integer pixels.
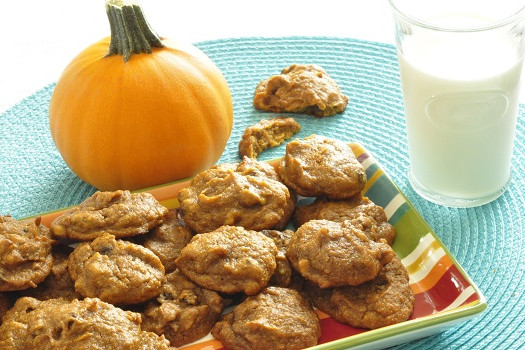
{"type": "Point", "coordinates": [382, 191]}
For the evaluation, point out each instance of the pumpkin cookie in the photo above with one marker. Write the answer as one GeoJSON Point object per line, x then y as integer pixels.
{"type": "Point", "coordinates": [386, 300]}
{"type": "Point", "coordinates": [247, 194]}
{"type": "Point", "coordinates": [277, 318]}
{"type": "Point", "coordinates": [361, 209]}
{"type": "Point", "coordinates": [59, 283]}
{"type": "Point", "coordinates": [336, 254]}
{"type": "Point", "coordinates": [76, 324]}
{"type": "Point", "coordinates": [25, 253]}
{"type": "Point", "coordinates": [283, 273]}
{"type": "Point", "coordinates": [267, 134]}
{"type": "Point", "coordinates": [5, 305]}
{"type": "Point", "coordinates": [229, 260]}
{"type": "Point", "coordinates": [120, 213]}
{"type": "Point", "coordinates": [300, 89]}
{"type": "Point", "coordinates": [167, 240]}
{"type": "Point", "coordinates": [319, 166]}
{"type": "Point", "coordinates": [183, 312]}
{"type": "Point", "coordinates": [116, 271]}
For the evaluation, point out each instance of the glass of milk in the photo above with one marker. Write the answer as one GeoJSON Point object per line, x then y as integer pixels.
{"type": "Point", "coordinates": [460, 65]}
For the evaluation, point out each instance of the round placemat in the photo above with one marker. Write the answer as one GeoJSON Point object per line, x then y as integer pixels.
{"type": "Point", "coordinates": [488, 241]}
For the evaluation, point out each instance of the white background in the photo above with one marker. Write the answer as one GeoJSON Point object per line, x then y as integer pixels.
{"type": "Point", "coordinates": [38, 38]}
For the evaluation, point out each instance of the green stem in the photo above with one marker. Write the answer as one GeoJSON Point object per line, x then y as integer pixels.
{"type": "Point", "coordinates": [130, 31]}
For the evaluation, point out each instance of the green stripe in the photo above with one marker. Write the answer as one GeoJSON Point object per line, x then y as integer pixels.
{"type": "Point", "coordinates": [413, 228]}
{"type": "Point", "coordinates": [399, 213]}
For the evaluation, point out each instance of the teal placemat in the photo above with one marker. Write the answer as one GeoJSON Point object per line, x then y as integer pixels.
{"type": "Point", "coordinates": [487, 241]}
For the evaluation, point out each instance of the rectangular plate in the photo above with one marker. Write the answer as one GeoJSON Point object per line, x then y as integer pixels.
{"type": "Point", "coordinates": [444, 293]}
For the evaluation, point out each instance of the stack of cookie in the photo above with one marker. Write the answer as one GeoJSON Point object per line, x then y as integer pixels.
{"type": "Point", "coordinates": [341, 246]}
{"type": "Point", "coordinates": [342, 243]}
{"type": "Point", "coordinates": [237, 211]}
{"type": "Point", "coordinates": [78, 297]}
{"type": "Point", "coordinates": [167, 276]}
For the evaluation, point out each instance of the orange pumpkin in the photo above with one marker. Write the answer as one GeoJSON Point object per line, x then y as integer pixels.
{"type": "Point", "coordinates": [147, 112]}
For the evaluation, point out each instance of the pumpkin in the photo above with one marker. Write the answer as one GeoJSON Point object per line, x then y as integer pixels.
{"type": "Point", "coordinates": [134, 110]}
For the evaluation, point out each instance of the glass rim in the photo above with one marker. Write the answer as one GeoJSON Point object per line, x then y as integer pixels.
{"type": "Point", "coordinates": [428, 25]}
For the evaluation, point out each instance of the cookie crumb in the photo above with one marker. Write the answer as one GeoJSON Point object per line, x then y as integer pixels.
{"type": "Point", "coordinates": [267, 133]}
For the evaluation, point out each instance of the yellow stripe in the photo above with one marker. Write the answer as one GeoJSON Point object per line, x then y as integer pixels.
{"type": "Point", "coordinates": [170, 203]}
{"type": "Point", "coordinates": [422, 245]}
{"type": "Point", "coordinates": [423, 257]}
{"type": "Point", "coordinates": [373, 179]}
{"type": "Point", "coordinates": [357, 149]}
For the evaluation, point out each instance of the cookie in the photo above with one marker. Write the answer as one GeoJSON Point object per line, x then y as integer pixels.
{"type": "Point", "coordinates": [336, 254]}
{"type": "Point", "coordinates": [119, 213]}
{"type": "Point", "coordinates": [25, 253]}
{"type": "Point", "coordinates": [116, 271]}
{"type": "Point", "coordinates": [282, 276]}
{"type": "Point", "coordinates": [386, 300]}
{"type": "Point", "coordinates": [267, 133]}
{"type": "Point", "coordinates": [183, 312]}
{"type": "Point", "coordinates": [319, 166]}
{"type": "Point", "coordinates": [361, 209]}
{"type": "Point", "coordinates": [300, 89]}
{"type": "Point", "coordinates": [5, 305]}
{"type": "Point", "coordinates": [277, 318]}
{"type": "Point", "coordinates": [168, 239]}
{"type": "Point", "coordinates": [59, 283]}
{"type": "Point", "coordinates": [247, 194]}
{"type": "Point", "coordinates": [230, 259]}
{"type": "Point", "coordinates": [76, 324]}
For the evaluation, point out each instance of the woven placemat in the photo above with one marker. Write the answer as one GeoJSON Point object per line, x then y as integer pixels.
{"type": "Point", "coordinates": [488, 241]}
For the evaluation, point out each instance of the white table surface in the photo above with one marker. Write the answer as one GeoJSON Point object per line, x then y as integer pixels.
{"type": "Point", "coordinates": [39, 38]}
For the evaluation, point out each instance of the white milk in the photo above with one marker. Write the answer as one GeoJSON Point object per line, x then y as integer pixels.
{"type": "Point", "coordinates": [460, 107]}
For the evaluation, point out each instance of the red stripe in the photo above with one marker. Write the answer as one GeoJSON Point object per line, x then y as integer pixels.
{"type": "Point", "coordinates": [333, 330]}
{"type": "Point", "coordinates": [442, 294]}
{"type": "Point", "coordinates": [471, 298]}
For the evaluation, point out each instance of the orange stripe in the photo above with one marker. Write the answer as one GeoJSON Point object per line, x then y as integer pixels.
{"type": "Point", "coordinates": [47, 219]}
{"type": "Point", "coordinates": [212, 344]}
{"type": "Point", "coordinates": [372, 179]}
{"type": "Point", "coordinates": [167, 192]}
{"type": "Point", "coordinates": [433, 277]}
{"type": "Point", "coordinates": [423, 257]}
{"type": "Point", "coordinates": [321, 314]}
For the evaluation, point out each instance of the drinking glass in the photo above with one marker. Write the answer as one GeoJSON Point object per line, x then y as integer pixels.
{"type": "Point", "coordinates": [460, 66]}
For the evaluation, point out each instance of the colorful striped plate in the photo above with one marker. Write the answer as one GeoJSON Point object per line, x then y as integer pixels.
{"type": "Point", "coordinates": [444, 293]}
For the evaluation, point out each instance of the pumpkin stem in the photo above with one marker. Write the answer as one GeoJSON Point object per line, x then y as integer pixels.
{"type": "Point", "coordinates": [130, 31]}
